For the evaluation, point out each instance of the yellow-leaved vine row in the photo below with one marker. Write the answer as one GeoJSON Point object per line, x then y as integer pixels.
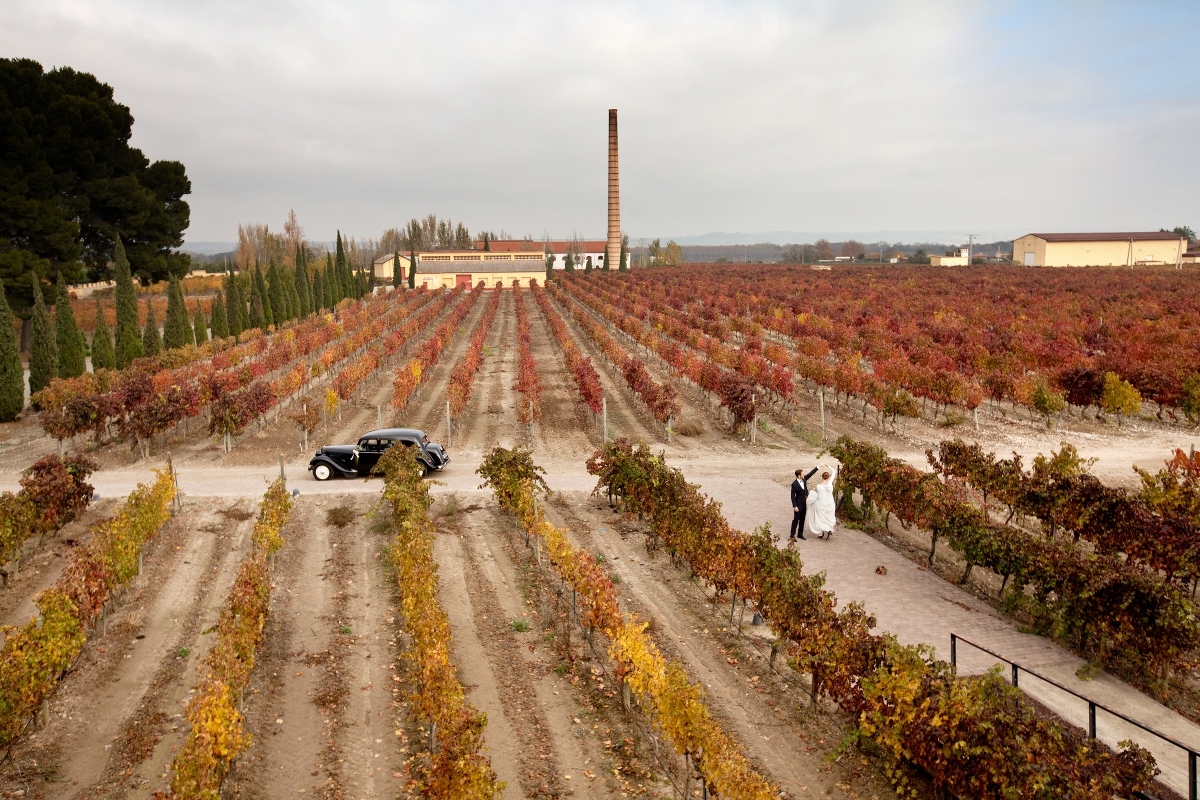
{"type": "Point", "coordinates": [677, 705]}
{"type": "Point", "coordinates": [217, 734]}
{"type": "Point", "coordinates": [35, 655]}
{"type": "Point", "coordinates": [456, 768]}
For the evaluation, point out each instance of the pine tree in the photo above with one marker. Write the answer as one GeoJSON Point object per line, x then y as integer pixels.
{"type": "Point", "coordinates": [176, 327]}
{"type": "Point", "coordinates": [199, 326]}
{"type": "Point", "coordinates": [129, 329]}
{"type": "Point", "coordinates": [102, 346]}
{"type": "Point", "coordinates": [303, 290]}
{"type": "Point", "coordinates": [396, 277]}
{"type": "Point", "coordinates": [220, 324]}
{"type": "Point", "coordinates": [72, 360]}
{"type": "Point", "coordinates": [12, 371]}
{"type": "Point", "coordinates": [151, 340]}
{"type": "Point", "coordinates": [412, 269]}
{"type": "Point", "coordinates": [43, 353]}
{"type": "Point", "coordinates": [234, 306]}
{"type": "Point", "coordinates": [258, 317]}
{"type": "Point", "coordinates": [318, 291]}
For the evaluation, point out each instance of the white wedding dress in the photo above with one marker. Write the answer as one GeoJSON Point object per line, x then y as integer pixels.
{"type": "Point", "coordinates": [821, 506]}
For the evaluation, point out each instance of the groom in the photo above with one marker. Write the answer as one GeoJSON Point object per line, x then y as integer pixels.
{"type": "Point", "coordinates": [799, 502]}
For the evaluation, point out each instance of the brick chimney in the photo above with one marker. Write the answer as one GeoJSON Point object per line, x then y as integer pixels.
{"type": "Point", "coordinates": [612, 252]}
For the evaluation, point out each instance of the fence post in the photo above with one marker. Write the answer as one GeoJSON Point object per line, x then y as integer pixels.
{"type": "Point", "coordinates": [821, 395]}
{"type": "Point", "coordinates": [604, 412]}
{"type": "Point", "coordinates": [447, 424]}
{"type": "Point", "coordinates": [1091, 720]}
{"type": "Point", "coordinates": [954, 651]}
{"type": "Point", "coordinates": [1014, 674]}
{"type": "Point", "coordinates": [1192, 775]}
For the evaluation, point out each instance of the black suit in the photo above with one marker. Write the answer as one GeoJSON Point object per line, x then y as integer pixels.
{"type": "Point", "coordinates": [800, 502]}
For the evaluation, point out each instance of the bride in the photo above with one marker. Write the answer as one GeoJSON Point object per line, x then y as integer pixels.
{"type": "Point", "coordinates": [821, 505]}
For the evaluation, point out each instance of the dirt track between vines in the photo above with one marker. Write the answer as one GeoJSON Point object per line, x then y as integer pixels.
{"type": "Point", "coordinates": [325, 704]}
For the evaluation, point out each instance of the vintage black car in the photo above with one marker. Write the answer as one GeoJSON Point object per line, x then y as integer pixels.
{"type": "Point", "coordinates": [357, 460]}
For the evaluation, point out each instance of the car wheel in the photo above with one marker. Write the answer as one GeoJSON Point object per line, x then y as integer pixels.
{"type": "Point", "coordinates": [322, 472]}
{"type": "Point", "coordinates": [424, 469]}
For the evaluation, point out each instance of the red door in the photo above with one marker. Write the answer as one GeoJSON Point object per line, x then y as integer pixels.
{"type": "Point", "coordinates": [462, 280]}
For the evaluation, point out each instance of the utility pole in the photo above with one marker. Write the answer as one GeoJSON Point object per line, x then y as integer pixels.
{"type": "Point", "coordinates": [971, 237]}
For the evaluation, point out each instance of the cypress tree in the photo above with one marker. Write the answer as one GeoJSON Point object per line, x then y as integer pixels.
{"type": "Point", "coordinates": [72, 360]}
{"type": "Point", "coordinates": [176, 327]}
{"type": "Point", "coordinates": [234, 307]}
{"type": "Point", "coordinates": [275, 293]}
{"type": "Point", "coordinates": [293, 295]}
{"type": "Point", "coordinates": [318, 291]}
{"type": "Point", "coordinates": [396, 278]}
{"type": "Point", "coordinates": [260, 286]}
{"type": "Point", "coordinates": [412, 269]}
{"type": "Point", "coordinates": [200, 326]}
{"type": "Point", "coordinates": [43, 354]}
{"type": "Point", "coordinates": [129, 329]}
{"type": "Point", "coordinates": [220, 325]}
{"type": "Point", "coordinates": [258, 317]}
{"type": "Point", "coordinates": [303, 290]}
{"type": "Point", "coordinates": [151, 340]}
{"type": "Point", "coordinates": [624, 267]}
{"type": "Point", "coordinates": [12, 371]}
{"type": "Point", "coordinates": [569, 263]}
{"type": "Point", "coordinates": [102, 346]}
{"type": "Point", "coordinates": [331, 298]}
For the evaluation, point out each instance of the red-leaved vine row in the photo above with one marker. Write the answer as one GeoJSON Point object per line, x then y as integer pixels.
{"type": "Point", "coordinates": [528, 383]}
{"type": "Point", "coordinates": [409, 377]}
{"type": "Point", "coordinates": [660, 398]}
{"type": "Point", "coordinates": [458, 390]}
{"type": "Point", "coordinates": [581, 369]}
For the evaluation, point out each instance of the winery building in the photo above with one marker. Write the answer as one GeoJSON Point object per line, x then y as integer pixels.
{"type": "Point", "coordinates": [1121, 249]}
{"type": "Point", "coordinates": [450, 268]}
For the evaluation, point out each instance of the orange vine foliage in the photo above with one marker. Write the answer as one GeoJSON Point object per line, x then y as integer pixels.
{"type": "Point", "coordinates": [678, 705]}
{"type": "Point", "coordinates": [457, 769]}
{"type": "Point", "coordinates": [217, 735]}
{"type": "Point", "coordinates": [408, 377]}
{"type": "Point", "coordinates": [528, 383]}
{"type": "Point", "coordinates": [974, 737]}
{"type": "Point", "coordinates": [35, 655]}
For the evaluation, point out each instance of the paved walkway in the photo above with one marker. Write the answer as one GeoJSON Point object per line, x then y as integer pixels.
{"type": "Point", "coordinates": [919, 607]}
{"type": "Point", "coordinates": [915, 605]}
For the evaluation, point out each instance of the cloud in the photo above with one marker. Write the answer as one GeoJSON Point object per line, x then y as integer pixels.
{"type": "Point", "coordinates": [809, 116]}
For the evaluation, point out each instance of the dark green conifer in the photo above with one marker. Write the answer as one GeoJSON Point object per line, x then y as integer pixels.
{"type": "Point", "coordinates": [318, 291]}
{"type": "Point", "coordinates": [102, 346]}
{"type": "Point", "coordinates": [258, 317]}
{"type": "Point", "coordinates": [72, 358]}
{"type": "Point", "coordinates": [43, 353]}
{"type": "Point", "coordinates": [412, 268]}
{"type": "Point", "coordinates": [199, 326]}
{"type": "Point", "coordinates": [12, 371]}
{"type": "Point", "coordinates": [176, 328]}
{"type": "Point", "coordinates": [220, 325]}
{"type": "Point", "coordinates": [234, 306]}
{"type": "Point", "coordinates": [396, 276]}
{"type": "Point", "coordinates": [274, 281]}
{"type": "Point", "coordinates": [151, 338]}
{"type": "Point", "coordinates": [303, 290]}
{"type": "Point", "coordinates": [331, 298]}
{"type": "Point", "coordinates": [260, 286]}
{"type": "Point", "coordinates": [129, 328]}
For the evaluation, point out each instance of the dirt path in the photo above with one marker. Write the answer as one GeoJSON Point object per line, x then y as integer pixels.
{"type": "Point", "coordinates": [118, 713]}
{"type": "Point", "coordinates": [567, 427]}
{"type": "Point", "coordinates": [549, 732]}
{"type": "Point", "coordinates": [766, 712]}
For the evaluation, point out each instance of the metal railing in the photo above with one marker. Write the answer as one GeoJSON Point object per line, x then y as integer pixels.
{"type": "Point", "coordinates": [1093, 706]}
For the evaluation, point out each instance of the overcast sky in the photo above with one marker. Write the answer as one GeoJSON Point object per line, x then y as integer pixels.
{"type": "Point", "coordinates": [838, 116]}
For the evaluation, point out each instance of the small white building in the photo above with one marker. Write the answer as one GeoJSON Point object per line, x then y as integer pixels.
{"type": "Point", "coordinates": [383, 267]}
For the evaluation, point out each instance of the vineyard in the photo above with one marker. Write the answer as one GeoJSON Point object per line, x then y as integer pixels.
{"type": "Point", "coordinates": [611, 613]}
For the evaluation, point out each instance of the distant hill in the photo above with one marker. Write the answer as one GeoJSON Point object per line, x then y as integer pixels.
{"type": "Point", "coordinates": [803, 237]}
{"type": "Point", "coordinates": [208, 248]}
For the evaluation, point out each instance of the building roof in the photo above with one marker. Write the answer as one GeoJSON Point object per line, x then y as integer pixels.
{"type": "Point", "coordinates": [1118, 236]}
{"type": "Point", "coordinates": [557, 247]}
{"type": "Point", "coordinates": [389, 256]}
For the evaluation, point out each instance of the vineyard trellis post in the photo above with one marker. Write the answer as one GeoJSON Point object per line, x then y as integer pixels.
{"type": "Point", "coordinates": [821, 398]}
{"type": "Point", "coordinates": [447, 424]}
{"type": "Point", "coordinates": [604, 414]}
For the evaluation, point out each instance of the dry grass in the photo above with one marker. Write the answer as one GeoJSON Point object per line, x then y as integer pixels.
{"type": "Point", "coordinates": [340, 516]}
{"type": "Point", "coordinates": [689, 428]}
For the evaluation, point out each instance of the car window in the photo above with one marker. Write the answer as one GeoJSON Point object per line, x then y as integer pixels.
{"type": "Point", "coordinates": [384, 444]}
{"type": "Point", "coordinates": [370, 445]}
{"type": "Point", "coordinates": [407, 442]}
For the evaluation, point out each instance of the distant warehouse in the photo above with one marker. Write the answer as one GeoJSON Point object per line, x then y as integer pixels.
{"type": "Point", "coordinates": [1099, 249]}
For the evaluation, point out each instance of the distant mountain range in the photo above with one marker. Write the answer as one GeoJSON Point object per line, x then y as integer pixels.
{"type": "Point", "coordinates": [209, 248]}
